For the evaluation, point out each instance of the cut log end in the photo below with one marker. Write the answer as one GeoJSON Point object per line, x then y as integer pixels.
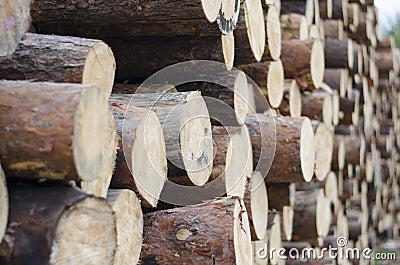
{"type": "Point", "coordinates": [241, 97]}
{"type": "Point", "coordinates": [323, 149]}
{"type": "Point", "coordinates": [92, 134]}
{"type": "Point", "coordinates": [84, 233]}
{"type": "Point", "coordinates": [275, 80]}
{"type": "Point", "coordinates": [317, 63]}
{"type": "Point", "coordinates": [241, 233]}
{"type": "Point", "coordinates": [307, 150]}
{"type": "Point", "coordinates": [273, 33]}
{"type": "Point", "coordinates": [211, 9]}
{"type": "Point", "coordinates": [258, 205]}
{"type": "Point", "coordinates": [303, 29]}
{"type": "Point", "coordinates": [294, 100]}
{"type": "Point", "coordinates": [287, 222]}
{"type": "Point", "coordinates": [3, 204]}
{"type": "Point", "coordinates": [255, 25]}
{"type": "Point", "coordinates": [228, 49]}
{"type": "Point", "coordinates": [129, 222]}
{"type": "Point", "coordinates": [323, 215]}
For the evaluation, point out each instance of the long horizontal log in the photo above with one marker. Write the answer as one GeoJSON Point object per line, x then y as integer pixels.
{"type": "Point", "coordinates": [283, 147]}
{"type": "Point", "coordinates": [58, 224]}
{"type": "Point", "coordinates": [141, 163]}
{"type": "Point", "coordinates": [63, 133]}
{"type": "Point", "coordinates": [3, 204]}
{"type": "Point", "coordinates": [129, 223]}
{"type": "Point", "coordinates": [62, 60]}
{"type": "Point", "coordinates": [339, 53]}
{"type": "Point", "coordinates": [15, 21]}
{"type": "Point", "coordinates": [174, 236]}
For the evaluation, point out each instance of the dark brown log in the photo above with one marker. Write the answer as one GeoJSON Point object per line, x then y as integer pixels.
{"type": "Point", "coordinates": [317, 105]}
{"type": "Point", "coordinates": [141, 163]}
{"type": "Point", "coordinates": [129, 223]}
{"type": "Point", "coordinates": [15, 21]}
{"type": "Point", "coordinates": [187, 133]}
{"type": "Point", "coordinates": [175, 237]}
{"type": "Point", "coordinates": [294, 26]}
{"type": "Point", "coordinates": [304, 61]}
{"type": "Point", "coordinates": [3, 204]}
{"type": "Point", "coordinates": [280, 195]}
{"type": "Point", "coordinates": [293, 159]}
{"type": "Point", "coordinates": [325, 9]}
{"type": "Point", "coordinates": [291, 101]}
{"type": "Point", "coordinates": [57, 224]}
{"type": "Point", "coordinates": [337, 79]}
{"type": "Point", "coordinates": [385, 62]}
{"type": "Point", "coordinates": [349, 108]}
{"type": "Point", "coordinates": [61, 60]}
{"type": "Point", "coordinates": [63, 132]}
{"type": "Point", "coordinates": [353, 147]}
{"type": "Point", "coordinates": [339, 53]}
{"type": "Point", "coordinates": [303, 7]}
{"type": "Point", "coordinates": [333, 29]}
{"type": "Point", "coordinates": [121, 18]}
{"type": "Point", "coordinates": [311, 216]}
{"type": "Point", "coordinates": [269, 77]}
{"type": "Point", "coordinates": [339, 10]}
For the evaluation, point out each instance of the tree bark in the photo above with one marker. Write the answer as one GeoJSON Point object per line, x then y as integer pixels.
{"type": "Point", "coordinates": [304, 61]}
{"type": "Point", "coordinates": [337, 79]}
{"type": "Point", "coordinates": [187, 132]}
{"type": "Point", "coordinates": [3, 204]}
{"type": "Point", "coordinates": [325, 9]}
{"type": "Point", "coordinates": [318, 105]}
{"type": "Point", "coordinates": [141, 163]}
{"type": "Point", "coordinates": [175, 237]}
{"type": "Point", "coordinates": [57, 224]}
{"type": "Point", "coordinates": [61, 60]}
{"type": "Point", "coordinates": [292, 160]}
{"type": "Point", "coordinates": [280, 195]}
{"type": "Point", "coordinates": [129, 223]}
{"type": "Point", "coordinates": [126, 18]}
{"type": "Point", "coordinates": [339, 53]}
{"type": "Point", "coordinates": [15, 21]}
{"type": "Point", "coordinates": [63, 132]}
{"type": "Point", "coordinates": [294, 26]}
{"type": "Point", "coordinates": [333, 29]}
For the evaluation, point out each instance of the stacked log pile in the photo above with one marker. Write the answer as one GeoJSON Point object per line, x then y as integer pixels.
{"type": "Point", "coordinates": [290, 142]}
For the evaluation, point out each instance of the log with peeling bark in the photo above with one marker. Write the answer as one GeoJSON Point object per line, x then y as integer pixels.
{"type": "Point", "coordinates": [64, 131]}
{"type": "Point", "coordinates": [121, 18]}
{"type": "Point", "coordinates": [3, 204]}
{"type": "Point", "coordinates": [317, 105]}
{"type": "Point", "coordinates": [280, 195]}
{"type": "Point", "coordinates": [129, 224]}
{"type": "Point", "coordinates": [304, 61]}
{"type": "Point", "coordinates": [14, 23]}
{"type": "Point", "coordinates": [291, 100]}
{"type": "Point", "coordinates": [269, 77]}
{"type": "Point", "coordinates": [141, 163]}
{"type": "Point", "coordinates": [56, 225]}
{"type": "Point", "coordinates": [283, 147]}
{"type": "Point", "coordinates": [256, 201]}
{"type": "Point", "coordinates": [244, 50]}
{"type": "Point", "coordinates": [339, 53]}
{"type": "Point", "coordinates": [333, 29]}
{"type": "Point", "coordinates": [323, 150]}
{"type": "Point", "coordinates": [312, 216]}
{"type": "Point", "coordinates": [294, 26]}
{"type": "Point", "coordinates": [303, 7]}
{"type": "Point", "coordinates": [175, 237]}
{"type": "Point", "coordinates": [187, 132]}
{"type": "Point", "coordinates": [62, 60]}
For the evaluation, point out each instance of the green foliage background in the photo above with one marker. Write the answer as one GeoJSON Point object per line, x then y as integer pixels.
{"type": "Point", "coordinates": [394, 30]}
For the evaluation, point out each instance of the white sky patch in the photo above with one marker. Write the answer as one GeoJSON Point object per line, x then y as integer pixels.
{"type": "Point", "coordinates": [387, 11]}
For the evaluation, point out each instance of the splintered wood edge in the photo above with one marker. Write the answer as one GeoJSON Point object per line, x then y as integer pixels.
{"type": "Point", "coordinates": [242, 98]}
{"type": "Point", "coordinates": [259, 204]}
{"type": "Point", "coordinates": [307, 150]}
{"type": "Point", "coordinates": [241, 233]}
{"type": "Point", "coordinates": [323, 215]}
{"type": "Point", "coordinates": [85, 233]}
{"type": "Point", "coordinates": [129, 222]}
{"type": "Point", "coordinates": [196, 139]}
{"type": "Point", "coordinates": [255, 24]}
{"type": "Point", "coordinates": [92, 134]}
{"type": "Point", "coordinates": [228, 49]}
{"type": "Point", "coordinates": [274, 37]}
{"type": "Point", "coordinates": [275, 81]}
{"type": "Point", "coordinates": [324, 150]}
{"type": "Point", "coordinates": [317, 63]}
{"type": "Point", "coordinates": [99, 67]}
{"type": "Point", "coordinates": [211, 9]}
{"type": "Point", "coordinates": [294, 100]}
{"type": "Point", "coordinates": [228, 15]}
{"type": "Point", "coordinates": [3, 204]}
{"type": "Point", "coordinates": [149, 161]}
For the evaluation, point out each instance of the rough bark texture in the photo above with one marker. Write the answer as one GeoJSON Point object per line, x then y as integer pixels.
{"type": "Point", "coordinates": [317, 105]}
{"type": "Point", "coordinates": [146, 175]}
{"type": "Point", "coordinates": [46, 222]}
{"type": "Point", "coordinates": [123, 18]}
{"type": "Point", "coordinates": [214, 232]}
{"type": "Point", "coordinates": [333, 29]}
{"type": "Point", "coordinates": [303, 7]}
{"type": "Point", "coordinates": [63, 132]}
{"type": "Point", "coordinates": [15, 21]}
{"type": "Point", "coordinates": [62, 60]}
{"type": "Point", "coordinates": [294, 26]}
{"type": "Point", "coordinates": [337, 53]}
{"type": "Point", "coordinates": [293, 160]}
{"type": "Point", "coordinates": [280, 195]}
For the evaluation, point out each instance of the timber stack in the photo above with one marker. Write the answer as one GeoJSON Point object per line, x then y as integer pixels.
{"type": "Point", "coordinates": [289, 140]}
